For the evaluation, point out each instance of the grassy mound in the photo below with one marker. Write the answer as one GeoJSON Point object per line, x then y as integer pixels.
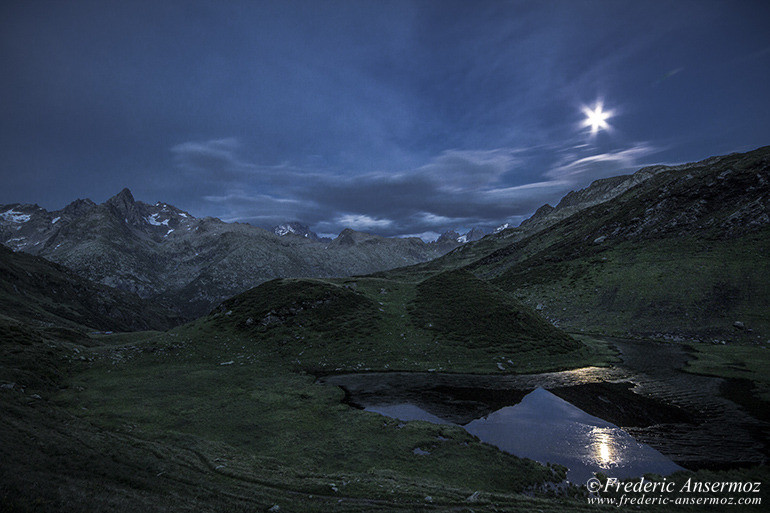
{"type": "Point", "coordinates": [312, 306]}
{"type": "Point", "coordinates": [452, 322]}
{"type": "Point", "coordinates": [461, 308]}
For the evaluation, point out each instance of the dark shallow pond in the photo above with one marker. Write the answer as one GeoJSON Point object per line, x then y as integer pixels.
{"type": "Point", "coordinates": [546, 428]}
{"type": "Point", "coordinates": [640, 417]}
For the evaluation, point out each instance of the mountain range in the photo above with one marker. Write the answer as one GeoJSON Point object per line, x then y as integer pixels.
{"type": "Point", "coordinates": [160, 251]}
{"type": "Point", "coordinates": [669, 251]}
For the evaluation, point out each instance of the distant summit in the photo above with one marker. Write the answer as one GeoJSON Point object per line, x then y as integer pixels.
{"type": "Point", "coordinates": [449, 235]}
{"type": "Point", "coordinates": [297, 229]}
{"type": "Point", "coordinates": [473, 235]}
{"type": "Point", "coordinates": [124, 205]}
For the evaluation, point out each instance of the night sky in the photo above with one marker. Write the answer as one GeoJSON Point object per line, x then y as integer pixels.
{"type": "Point", "coordinates": [396, 118]}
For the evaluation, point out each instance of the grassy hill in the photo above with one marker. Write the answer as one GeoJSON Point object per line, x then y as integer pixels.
{"type": "Point", "coordinates": [452, 321]}
{"type": "Point", "coordinates": [682, 253]}
{"type": "Point", "coordinates": [210, 418]}
{"type": "Point", "coordinates": [40, 292]}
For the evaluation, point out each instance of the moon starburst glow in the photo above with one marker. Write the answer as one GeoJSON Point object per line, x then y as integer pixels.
{"type": "Point", "coordinates": [596, 118]}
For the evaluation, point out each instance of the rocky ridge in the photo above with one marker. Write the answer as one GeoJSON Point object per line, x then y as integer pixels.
{"type": "Point", "coordinates": [161, 251]}
{"type": "Point", "coordinates": [472, 235]}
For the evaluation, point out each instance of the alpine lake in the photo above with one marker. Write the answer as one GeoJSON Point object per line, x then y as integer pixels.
{"type": "Point", "coordinates": [643, 416]}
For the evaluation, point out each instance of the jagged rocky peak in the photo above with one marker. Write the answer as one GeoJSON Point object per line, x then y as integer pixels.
{"type": "Point", "coordinates": [350, 237]}
{"type": "Point", "coordinates": [78, 208]}
{"type": "Point", "coordinates": [124, 197]}
{"type": "Point", "coordinates": [124, 206]}
{"type": "Point", "coordinates": [159, 219]}
{"type": "Point", "coordinates": [476, 233]}
{"type": "Point", "coordinates": [449, 235]}
{"type": "Point", "coordinates": [347, 237]}
{"type": "Point", "coordinates": [295, 228]}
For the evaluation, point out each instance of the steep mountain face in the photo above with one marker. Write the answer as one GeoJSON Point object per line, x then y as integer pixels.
{"type": "Point", "coordinates": [40, 292]}
{"type": "Point", "coordinates": [472, 235]}
{"type": "Point", "coordinates": [159, 250]}
{"type": "Point", "coordinates": [599, 192]}
{"type": "Point", "coordinates": [475, 234]}
{"type": "Point", "coordinates": [680, 251]}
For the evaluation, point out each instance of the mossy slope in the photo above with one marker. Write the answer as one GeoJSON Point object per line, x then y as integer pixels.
{"type": "Point", "coordinates": [682, 253]}
{"type": "Point", "coordinates": [463, 309]}
{"type": "Point", "coordinates": [42, 292]}
{"type": "Point", "coordinates": [452, 322]}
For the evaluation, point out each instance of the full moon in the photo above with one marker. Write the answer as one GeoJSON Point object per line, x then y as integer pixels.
{"type": "Point", "coordinates": [596, 118]}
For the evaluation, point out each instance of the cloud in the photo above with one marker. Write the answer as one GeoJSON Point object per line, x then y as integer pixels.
{"type": "Point", "coordinates": [574, 169]}
{"type": "Point", "coordinates": [218, 161]}
{"type": "Point", "coordinates": [363, 222]}
{"type": "Point", "coordinates": [456, 189]}
{"type": "Point", "coordinates": [456, 170]}
{"type": "Point", "coordinates": [215, 156]}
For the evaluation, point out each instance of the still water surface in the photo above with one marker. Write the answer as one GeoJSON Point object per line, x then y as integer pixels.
{"type": "Point", "coordinates": [683, 415]}
{"type": "Point", "coordinates": [546, 428]}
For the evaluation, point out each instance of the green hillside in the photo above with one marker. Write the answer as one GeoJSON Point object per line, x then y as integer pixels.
{"type": "Point", "coordinates": [452, 321]}
{"type": "Point", "coordinates": [683, 253]}
{"type": "Point", "coordinates": [35, 290]}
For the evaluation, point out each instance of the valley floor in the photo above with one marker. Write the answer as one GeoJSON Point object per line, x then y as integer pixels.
{"type": "Point", "coordinates": [195, 420]}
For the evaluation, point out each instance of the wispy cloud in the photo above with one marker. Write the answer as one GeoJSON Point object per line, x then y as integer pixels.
{"type": "Point", "coordinates": [574, 169]}
{"type": "Point", "coordinates": [456, 189]}
{"type": "Point", "coordinates": [214, 156]}
{"type": "Point", "coordinates": [363, 222]}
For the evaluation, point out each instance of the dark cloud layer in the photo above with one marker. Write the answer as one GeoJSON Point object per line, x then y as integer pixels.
{"type": "Point", "coordinates": [403, 117]}
{"type": "Point", "coordinates": [454, 189]}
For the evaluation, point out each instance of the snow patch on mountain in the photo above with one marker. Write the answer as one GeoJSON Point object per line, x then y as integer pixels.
{"type": "Point", "coordinates": [15, 217]}
{"type": "Point", "coordinates": [295, 228]}
{"type": "Point", "coordinates": [284, 229]}
{"type": "Point", "coordinates": [153, 220]}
